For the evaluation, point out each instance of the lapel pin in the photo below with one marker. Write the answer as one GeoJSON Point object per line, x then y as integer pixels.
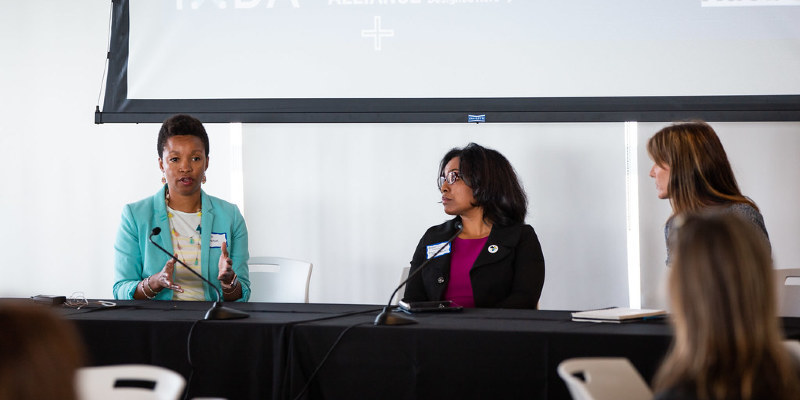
{"type": "Point", "coordinates": [493, 249]}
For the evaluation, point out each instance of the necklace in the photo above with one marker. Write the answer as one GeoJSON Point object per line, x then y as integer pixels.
{"type": "Point", "coordinates": [166, 200]}
{"type": "Point", "coordinates": [186, 230]}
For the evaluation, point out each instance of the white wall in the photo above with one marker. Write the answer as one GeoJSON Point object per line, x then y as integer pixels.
{"type": "Point", "coordinates": [354, 199]}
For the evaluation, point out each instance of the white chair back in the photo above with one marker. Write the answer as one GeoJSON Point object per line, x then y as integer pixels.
{"type": "Point", "coordinates": [793, 346]}
{"type": "Point", "coordinates": [130, 381]}
{"type": "Point", "coordinates": [399, 294]}
{"type": "Point", "coordinates": [788, 291]}
{"type": "Point", "coordinates": [603, 379]}
{"type": "Point", "coordinates": [279, 280]}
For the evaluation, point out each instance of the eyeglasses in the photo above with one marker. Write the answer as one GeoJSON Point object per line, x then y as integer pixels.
{"type": "Point", "coordinates": [451, 178]}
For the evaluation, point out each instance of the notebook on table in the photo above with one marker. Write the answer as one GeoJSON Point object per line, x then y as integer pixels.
{"type": "Point", "coordinates": [617, 314]}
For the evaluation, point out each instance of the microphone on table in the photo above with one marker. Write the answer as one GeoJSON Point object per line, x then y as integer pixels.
{"type": "Point", "coordinates": [217, 310]}
{"type": "Point", "coordinates": [386, 317]}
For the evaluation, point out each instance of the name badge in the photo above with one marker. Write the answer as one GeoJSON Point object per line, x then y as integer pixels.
{"type": "Point", "coordinates": [217, 239]}
{"type": "Point", "coordinates": [434, 248]}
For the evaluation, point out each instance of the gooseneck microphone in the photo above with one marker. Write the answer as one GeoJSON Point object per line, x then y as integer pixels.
{"type": "Point", "coordinates": [386, 317]}
{"type": "Point", "coordinates": [217, 310]}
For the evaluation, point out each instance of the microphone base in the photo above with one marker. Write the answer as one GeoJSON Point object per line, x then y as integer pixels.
{"type": "Point", "coordinates": [387, 317]}
{"type": "Point", "coordinates": [218, 312]}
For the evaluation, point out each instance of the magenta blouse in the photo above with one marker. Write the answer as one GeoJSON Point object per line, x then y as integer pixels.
{"type": "Point", "coordinates": [462, 257]}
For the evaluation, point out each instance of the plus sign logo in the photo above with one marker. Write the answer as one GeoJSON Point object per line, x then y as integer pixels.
{"type": "Point", "coordinates": [377, 33]}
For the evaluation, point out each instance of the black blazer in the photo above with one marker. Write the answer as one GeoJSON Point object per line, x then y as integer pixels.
{"type": "Point", "coordinates": [511, 277]}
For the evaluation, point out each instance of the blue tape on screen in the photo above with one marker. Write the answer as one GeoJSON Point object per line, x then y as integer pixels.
{"type": "Point", "coordinates": [476, 118]}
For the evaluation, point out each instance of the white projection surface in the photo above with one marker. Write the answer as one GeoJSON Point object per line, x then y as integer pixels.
{"type": "Point", "coordinates": [294, 49]}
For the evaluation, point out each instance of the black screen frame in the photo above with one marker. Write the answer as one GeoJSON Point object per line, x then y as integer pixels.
{"type": "Point", "coordinates": [117, 108]}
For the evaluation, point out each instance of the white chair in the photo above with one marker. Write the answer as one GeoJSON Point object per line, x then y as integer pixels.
{"type": "Point", "coordinates": [788, 291]}
{"type": "Point", "coordinates": [598, 378]}
{"type": "Point", "coordinates": [279, 280]}
{"type": "Point", "coordinates": [129, 381]}
{"type": "Point", "coordinates": [793, 346]}
{"type": "Point", "coordinates": [399, 294]}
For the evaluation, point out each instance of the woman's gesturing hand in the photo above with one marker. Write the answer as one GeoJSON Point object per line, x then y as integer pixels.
{"type": "Point", "coordinates": [164, 278]}
{"type": "Point", "coordinates": [225, 266]}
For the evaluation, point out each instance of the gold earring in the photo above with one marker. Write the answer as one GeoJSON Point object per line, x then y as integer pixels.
{"type": "Point", "coordinates": [163, 180]}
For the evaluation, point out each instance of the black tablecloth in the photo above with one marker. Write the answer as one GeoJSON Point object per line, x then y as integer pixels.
{"type": "Point", "coordinates": [235, 359]}
{"type": "Point", "coordinates": [477, 353]}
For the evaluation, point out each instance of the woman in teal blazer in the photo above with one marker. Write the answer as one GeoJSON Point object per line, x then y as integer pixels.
{"type": "Point", "coordinates": [205, 232]}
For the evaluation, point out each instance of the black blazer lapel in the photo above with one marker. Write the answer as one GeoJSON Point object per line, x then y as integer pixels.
{"type": "Point", "coordinates": [437, 272]}
{"type": "Point", "coordinates": [499, 245]}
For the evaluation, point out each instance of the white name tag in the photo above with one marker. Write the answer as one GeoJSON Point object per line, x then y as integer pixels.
{"type": "Point", "coordinates": [217, 239]}
{"type": "Point", "coordinates": [432, 249]}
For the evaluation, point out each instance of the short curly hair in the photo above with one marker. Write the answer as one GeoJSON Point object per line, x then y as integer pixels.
{"type": "Point", "coordinates": [181, 124]}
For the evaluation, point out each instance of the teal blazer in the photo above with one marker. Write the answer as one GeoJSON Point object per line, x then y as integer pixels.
{"type": "Point", "coordinates": [136, 258]}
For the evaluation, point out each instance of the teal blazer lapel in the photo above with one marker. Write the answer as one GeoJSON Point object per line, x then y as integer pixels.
{"type": "Point", "coordinates": [164, 239]}
{"type": "Point", "coordinates": [206, 226]}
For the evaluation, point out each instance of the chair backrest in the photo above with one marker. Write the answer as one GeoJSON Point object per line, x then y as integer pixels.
{"type": "Point", "coordinates": [788, 291]}
{"type": "Point", "coordinates": [279, 280]}
{"type": "Point", "coordinates": [129, 381]}
{"type": "Point", "coordinates": [793, 346]}
{"type": "Point", "coordinates": [603, 378]}
{"type": "Point", "coordinates": [399, 294]}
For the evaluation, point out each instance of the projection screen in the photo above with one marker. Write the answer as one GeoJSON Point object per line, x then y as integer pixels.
{"type": "Point", "coordinates": [447, 60]}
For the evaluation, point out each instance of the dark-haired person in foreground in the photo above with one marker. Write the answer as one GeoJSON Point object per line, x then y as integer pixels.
{"type": "Point", "coordinates": [206, 233]}
{"type": "Point", "coordinates": [728, 338]}
{"type": "Point", "coordinates": [40, 353]}
{"type": "Point", "coordinates": [496, 261]}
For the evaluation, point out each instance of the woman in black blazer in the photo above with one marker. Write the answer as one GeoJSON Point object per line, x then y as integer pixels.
{"type": "Point", "coordinates": [496, 260]}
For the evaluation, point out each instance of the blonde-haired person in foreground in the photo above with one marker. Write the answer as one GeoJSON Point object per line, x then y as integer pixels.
{"type": "Point", "coordinates": [728, 338]}
{"type": "Point", "coordinates": [691, 169]}
{"type": "Point", "coordinates": [39, 353]}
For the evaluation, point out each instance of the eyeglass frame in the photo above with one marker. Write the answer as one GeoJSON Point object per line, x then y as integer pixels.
{"type": "Point", "coordinates": [451, 177]}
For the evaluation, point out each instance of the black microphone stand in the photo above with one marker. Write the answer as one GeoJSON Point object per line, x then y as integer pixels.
{"type": "Point", "coordinates": [386, 317]}
{"type": "Point", "coordinates": [217, 310]}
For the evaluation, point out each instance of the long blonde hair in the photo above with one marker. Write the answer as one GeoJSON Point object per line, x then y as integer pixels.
{"type": "Point", "coordinates": [728, 337]}
{"type": "Point", "coordinates": [699, 172]}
